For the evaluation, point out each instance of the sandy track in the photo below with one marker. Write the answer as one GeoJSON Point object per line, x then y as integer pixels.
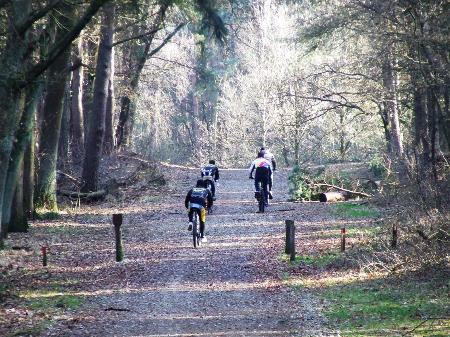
{"type": "Point", "coordinates": [231, 286]}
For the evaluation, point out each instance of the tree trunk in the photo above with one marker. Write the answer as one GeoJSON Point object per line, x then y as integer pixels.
{"type": "Point", "coordinates": [96, 132]}
{"type": "Point", "coordinates": [432, 130]}
{"type": "Point", "coordinates": [11, 98]}
{"type": "Point", "coordinates": [18, 222]}
{"type": "Point", "coordinates": [421, 136]}
{"type": "Point", "coordinates": [23, 138]}
{"type": "Point", "coordinates": [76, 110]}
{"type": "Point", "coordinates": [125, 107]}
{"type": "Point", "coordinates": [63, 143]}
{"type": "Point", "coordinates": [387, 133]}
{"type": "Point", "coordinates": [109, 115]}
{"type": "Point", "coordinates": [391, 106]}
{"type": "Point", "coordinates": [90, 51]}
{"type": "Point", "coordinates": [445, 116]}
{"type": "Point", "coordinates": [28, 175]}
{"type": "Point", "coordinates": [197, 149]}
{"type": "Point", "coordinates": [45, 192]}
{"type": "Point", "coordinates": [135, 66]}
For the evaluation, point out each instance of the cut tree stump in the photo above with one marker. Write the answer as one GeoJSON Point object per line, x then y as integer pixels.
{"type": "Point", "coordinates": [344, 190]}
{"type": "Point", "coordinates": [332, 197]}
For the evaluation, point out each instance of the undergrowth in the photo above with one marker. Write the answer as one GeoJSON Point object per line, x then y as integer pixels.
{"type": "Point", "coordinates": [353, 210]}
{"type": "Point", "coordinates": [50, 300]}
{"type": "Point", "coordinates": [390, 307]}
{"type": "Point", "coordinates": [35, 330]}
{"type": "Point", "coordinates": [378, 288]}
{"type": "Point", "coordinates": [305, 184]}
{"type": "Point", "coordinates": [320, 261]}
{"type": "Point", "coordinates": [45, 214]}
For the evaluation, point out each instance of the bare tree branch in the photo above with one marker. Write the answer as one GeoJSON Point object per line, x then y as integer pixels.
{"type": "Point", "coordinates": [166, 40]}
{"type": "Point", "coordinates": [135, 37]}
{"type": "Point", "coordinates": [36, 15]}
{"type": "Point", "coordinates": [61, 45]}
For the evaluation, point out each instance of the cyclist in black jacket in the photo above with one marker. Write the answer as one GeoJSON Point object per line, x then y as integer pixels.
{"type": "Point", "coordinates": [211, 172]}
{"type": "Point", "coordinates": [198, 199]}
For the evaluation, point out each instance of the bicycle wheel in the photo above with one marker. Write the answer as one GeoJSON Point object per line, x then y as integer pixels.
{"type": "Point", "coordinates": [195, 229]}
{"type": "Point", "coordinates": [262, 199]}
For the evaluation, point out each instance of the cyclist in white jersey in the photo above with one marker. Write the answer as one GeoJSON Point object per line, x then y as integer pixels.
{"type": "Point", "coordinates": [271, 159]}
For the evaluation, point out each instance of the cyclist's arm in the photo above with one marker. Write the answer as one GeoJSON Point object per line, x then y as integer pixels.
{"type": "Point", "coordinates": [209, 199]}
{"type": "Point", "coordinates": [217, 174]}
{"type": "Point", "coordinates": [252, 168]}
{"type": "Point", "coordinates": [188, 197]}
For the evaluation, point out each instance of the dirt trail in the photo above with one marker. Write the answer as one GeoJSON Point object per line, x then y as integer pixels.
{"type": "Point", "coordinates": [231, 286]}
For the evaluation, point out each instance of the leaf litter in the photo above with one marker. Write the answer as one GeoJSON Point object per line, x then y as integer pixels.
{"type": "Point", "coordinates": [231, 286]}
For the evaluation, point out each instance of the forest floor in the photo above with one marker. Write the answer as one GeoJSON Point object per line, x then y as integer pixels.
{"type": "Point", "coordinates": [239, 283]}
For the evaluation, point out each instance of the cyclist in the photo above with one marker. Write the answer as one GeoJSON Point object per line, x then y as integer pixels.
{"type": "Point", "coordinates": [211, 172]}
{"type": "Point", "coordinates": [199, 198]}
{"type": "Point", "coordinates": [263, 172]}
{"type": "Point", "coordinates": [271, 158]}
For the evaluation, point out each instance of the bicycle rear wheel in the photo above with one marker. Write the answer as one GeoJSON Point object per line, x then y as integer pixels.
{"type": "Point", "coordinates": [261, 203]}
{"type": "Point", "coordinates": [262, 199]}
{"type": "Point", "coordinates": [195, 230]}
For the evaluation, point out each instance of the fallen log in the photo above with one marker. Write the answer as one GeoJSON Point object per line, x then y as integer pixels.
{"type": "Point", "coordinates": [75, 180]}
{"type": "Point", "coordinates": [90, 196]}
{"type": "Point", "coordinates": [332, 197]}
{"type": "Point", "coordinates": [143, 161]}
{"type": "Point", "coordinates": [351, 193]}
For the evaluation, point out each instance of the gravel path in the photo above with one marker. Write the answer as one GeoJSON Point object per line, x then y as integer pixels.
{"type": "Point", "coordinates": [230, 286]}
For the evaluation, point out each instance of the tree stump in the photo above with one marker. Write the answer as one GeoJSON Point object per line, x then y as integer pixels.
{"type": "Point", "coordinates": [117, 221]}
{"type": "Point", "coordinates": [287, 248]}
{"type": "Point", "coordinates": [343, 239]}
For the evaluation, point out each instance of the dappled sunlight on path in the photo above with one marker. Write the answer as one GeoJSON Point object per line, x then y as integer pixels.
{"type": "Point", "coordinates": [230, 286]}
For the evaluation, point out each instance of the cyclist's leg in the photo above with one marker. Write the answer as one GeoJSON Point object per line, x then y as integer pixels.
{"type": "Point", "coordinates": [257, 181]}
{"type": "Point", "coordinates": [213, 188]}
{"type": "Point", "coordinates": [202, 217]}
{"type": "Point", "coordinates": [265, 184]}
{"type": "Point", "coordinates": [191, 214]}
{"type": "Point", "coordinates": [270, 185]}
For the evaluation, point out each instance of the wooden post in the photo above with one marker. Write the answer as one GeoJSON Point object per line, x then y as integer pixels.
{"type": "Point", "coordinates": [292, 241]}
{"type": "Point", "coordinates": [117, 221]}
{"type": "Point", "coordinates": [394, 236]}
{"type": "Point", "coordinates": [343, 239]}
{"type": "Point", "coordinates": [287, 248]}
{"type": "Point", "coordinates": [44, 256]}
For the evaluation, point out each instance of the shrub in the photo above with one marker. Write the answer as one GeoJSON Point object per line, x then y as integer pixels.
{"type": "Point", "coordinates": [300, 187]}
{"type": "Point", "coordinates": [377, 167]}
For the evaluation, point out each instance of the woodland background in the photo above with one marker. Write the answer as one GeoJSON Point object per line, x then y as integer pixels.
{"type": "Point", "coordinates": [93, 89]}
{"type": "Point", "coordinates": [184, 81]}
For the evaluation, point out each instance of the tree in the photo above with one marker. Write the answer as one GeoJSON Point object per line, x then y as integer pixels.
{"type": "Point", "coordinates": [20, 68]}
{"type": "Point", "coordinates": [102, 79]}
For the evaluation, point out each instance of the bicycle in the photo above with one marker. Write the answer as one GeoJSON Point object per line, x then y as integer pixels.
{"type": "Point", "coordinates": [209, 180]}
{"type": "Point", "coordinates": [196, 236]}
{"type": "Point", "coordinates": [261, 196]}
